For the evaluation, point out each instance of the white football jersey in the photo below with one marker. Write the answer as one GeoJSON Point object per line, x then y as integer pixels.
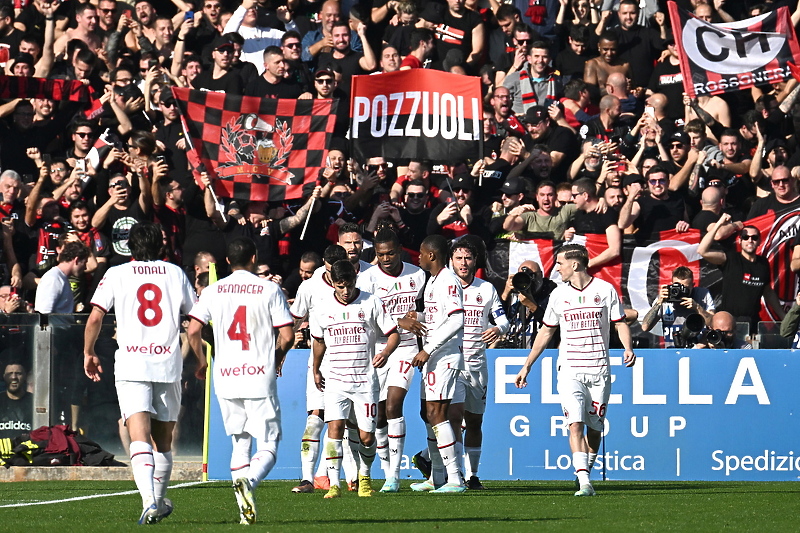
{"type": "Point", "coordinates": [398, 294]}
{"type": "Point", "coordinates": [148, 298]}
{"type": "Point", "coordinates": [245, 310]}
{"type": "Point", "coordinates": [443, 297]}
{"type": "Point", "coordinates": [585, 318]}
{"type": "Point", "coordinates": [350, 332]}
{"type": "Point", "coordinates": [315, 290]}
{"type": "Point", "coordinates": [480, 302]}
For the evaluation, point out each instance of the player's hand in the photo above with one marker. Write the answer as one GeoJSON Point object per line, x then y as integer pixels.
{"type": "Point", "coordinates": [412, 325]}
{"type": "Point", "coordinates": [420, 359]}
{"type": "Point", "coordinates": [380, 359]}
{"type": "Point", "coordinates": [490, 335]}
{"type": "Point", "coordinates": [630, 358]}
{"type": "Point", "coordinates": [521, 380]}
{"type": "Point", "coordinates": [92, 367]}
{"type": "Point", "coordinates": [319, 381]}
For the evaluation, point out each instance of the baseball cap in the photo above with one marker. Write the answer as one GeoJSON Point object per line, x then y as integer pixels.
{"type": "Point", "coordinates": [680, 137]}
{"type": "Point", "coordinates": [513, 186]}
{"type": "Point", "coordinates": [536, 114]}
{"type": "Point", "coordinates": [323, 72]}
{"type": "Point", "coordinates": [462, 180]}
{"type": "Point", "coordinates": [223, 41]}
{"type": "Point", "coordinates": [24, 57]}
{"type": "Point", "coordinates": [772, 144]}
{"type": "Point", "coordinates": [632, 178]}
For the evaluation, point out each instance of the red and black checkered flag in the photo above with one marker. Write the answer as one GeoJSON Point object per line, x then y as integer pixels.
{"type": "Point", "coordinates": [259, 149]}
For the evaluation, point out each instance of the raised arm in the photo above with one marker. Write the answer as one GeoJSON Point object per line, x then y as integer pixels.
{"type": "Point", "coordinates": [704, 248]}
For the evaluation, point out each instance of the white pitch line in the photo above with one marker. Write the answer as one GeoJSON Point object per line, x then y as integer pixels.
{"type": "Point", "coordinates": [93, 496]}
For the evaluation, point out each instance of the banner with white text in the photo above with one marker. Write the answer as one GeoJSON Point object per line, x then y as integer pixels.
{"type": "Point", "coordinates": [728, 57]}
{"type": "Point", "coordinates": [676, 415]}
{"type": "Point", "coordinates": [416, 114]}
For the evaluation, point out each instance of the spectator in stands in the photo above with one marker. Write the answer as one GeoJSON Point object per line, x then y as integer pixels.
{"type": "Point", "coordinates": [546, 221]}
{"type": "Point", "coordinates": [588, 220]}
{"type": "Point", "coordinates": [559, 140]}
{"type": "Point", "coordinates": [342, 54]}
{"type": "Point", "coordinates": [309, 263]}
{"type": "Point", "coordinates": [221, 77]}
{"type": "Point", "coordinates": [463, 215]}
{"type": "Point", "coordinates": [672, 313]}
{"type": "Point", "coordinates": [422, 47]}
{"type": "Point", "coordinates": [54, 294]}
{"type": "Point", "coordinates": [784, 196]}
{"type": "Point", "coordinates": [638, 45]}
{"type": "Point", "coordinates": [746, 276]}
{"type": "Point", "coordinates": [512, 194]}
{"type": "Point", "coordinates": [656, 211]}
{"type": "Point", "coordinates": [16, 403]}
{"type": "Point", "coordinates": [536, 84]}
{"type": "Point", "coordinates": [256, 38]}
{"type": "Point", "coordinates": [273, 83]}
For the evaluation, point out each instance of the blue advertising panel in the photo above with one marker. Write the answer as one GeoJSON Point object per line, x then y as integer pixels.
{"type": "Point", "coordinates": [675, 415]}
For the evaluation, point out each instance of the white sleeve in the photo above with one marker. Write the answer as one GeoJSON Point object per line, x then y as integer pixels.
{"type": "Point", "coordinates": [302, 301]}
{"type": "Point", "coordinates": [46, 294]}
{"type": "Point", "coordinates": [104, 295]}
{"type": "Point", "coordinates": [446, 330]}
{"type": "Point", "coordinates": [235, 21]}
{"type": "Point", "coordinates": [200, 311]}
{"type": "Point", "coordinates": [279, 309]}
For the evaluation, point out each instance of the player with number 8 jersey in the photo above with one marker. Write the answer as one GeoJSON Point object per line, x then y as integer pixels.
{"type": "Point", "coordinates": [148, 297]}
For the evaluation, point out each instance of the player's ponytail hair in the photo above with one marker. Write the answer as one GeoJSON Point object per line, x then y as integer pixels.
{"type": "Point", "coordinates": [145, 241]}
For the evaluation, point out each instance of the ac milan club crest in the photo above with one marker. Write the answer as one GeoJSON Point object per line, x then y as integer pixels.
{"type": "Point", "coordinates": [249, 145]}
{"type": "Point", "coordinates": [596, 299]}
{"type": "Point", "coordinates": [478, 299]}
{"type": "Point", "coordinates": [413, 285]}
{"type": "Point", "coordinates": [361, 314]}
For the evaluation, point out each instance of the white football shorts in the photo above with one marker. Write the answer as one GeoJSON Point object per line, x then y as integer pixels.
{"type": "Point", "coordinates": [161, 400]}
{"type": "Point", "coordinates": [584, 398]}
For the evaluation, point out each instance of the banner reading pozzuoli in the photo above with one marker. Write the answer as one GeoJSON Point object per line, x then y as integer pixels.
{"type": "Point", "coordinates": [728, 57]}
{"type": "Point", "coordinates": [418, 113]}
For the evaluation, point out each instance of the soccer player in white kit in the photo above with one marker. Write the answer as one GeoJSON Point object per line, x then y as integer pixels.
{"type": "Point", "coordinates": [481, 303]}
{"type": "Point", "coordinates": [315, 291]}
{"type": "Point", "coordinates": [345, 333]}
{"type": "Point", "coordinates": [441, 360]}
{"type": "Point", "coordinates": [246, 311]}
{"type": "Point", "coordinates": [583, 307]}
{"type": "Point", "coordinates": [398, 285]}
{"type": "Point", "coordinates": [148, 297]}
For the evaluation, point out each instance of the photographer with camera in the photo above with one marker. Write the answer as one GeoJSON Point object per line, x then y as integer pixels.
{"type": "Point", "coordinates": [721, 335]}
{"type": "Point", "coordinates": [676, 303]}
{"type": "Point", "coordinates": [525, 296]}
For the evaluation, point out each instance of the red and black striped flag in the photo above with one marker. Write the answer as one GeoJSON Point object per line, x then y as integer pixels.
{"type": "Point", "coordinates": [728, 57]}
{"type": "Point", "coordinates": [416, 114]}
{"type": "Point", "coordinates": [20, 87]}
{"type": "Point", "coordinates": [261, 149]}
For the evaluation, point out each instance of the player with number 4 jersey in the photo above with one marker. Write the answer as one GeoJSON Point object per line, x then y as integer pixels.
{"type": "Point", "coordinates": [148, 297]}
{"type": "Point", "coordinates": [246, 311]}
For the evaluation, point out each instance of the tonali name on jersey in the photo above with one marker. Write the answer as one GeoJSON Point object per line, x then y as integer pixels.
{"type": "Point", "coordinates": [480, 302]}
{"type": "Point", "coordinates": [148, 298]}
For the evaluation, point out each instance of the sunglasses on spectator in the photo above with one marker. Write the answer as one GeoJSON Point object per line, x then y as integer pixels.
{"type": "Point", "coordinates": [783, 181]}
{"type": "Point", "coordinates": [211, 6]}
{"type": "Point", "coordinates": [168, 103]}
{"type": "Point", "coordinates": [324, 81]}
{"type": "Point", "coordinates": [416, 194]}
{"type": "Point", "coordinates": [263, 273]}
{"type": "Point", "coordinates": [292, 45]}
{"type": "Point", "coordinates": [750, 236]}
{"type": "Point", "coordinates": [676, 145]}
{"type": "Point", "coordinates": [460, 189]}
{"type": "Point", "coordinates": [83, 134]}
{"type": "Point", "coordinates": [576, 194]}
{"type": "Point", "coordinates": [106, 10]}
{"type": "Point", "coordinates": [656, 181]}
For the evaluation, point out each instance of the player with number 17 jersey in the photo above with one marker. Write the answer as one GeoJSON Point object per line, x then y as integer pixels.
{"type": "Point", "coordinates": [148, 298]}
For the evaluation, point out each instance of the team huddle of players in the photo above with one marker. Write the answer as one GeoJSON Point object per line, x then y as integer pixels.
{"type": "Point", "coordinates": [372, 326]}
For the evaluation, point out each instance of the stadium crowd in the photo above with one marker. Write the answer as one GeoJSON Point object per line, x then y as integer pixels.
{"type": "Point", "coordinates": [586, 131]}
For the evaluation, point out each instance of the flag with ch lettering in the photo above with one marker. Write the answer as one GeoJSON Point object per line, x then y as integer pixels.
{"type": "Point", "coordinates": [416, 114]}
{"type": "Point", "coordinates": [731, 56]}
{"type": "Point", "coordinates": [260, 149]}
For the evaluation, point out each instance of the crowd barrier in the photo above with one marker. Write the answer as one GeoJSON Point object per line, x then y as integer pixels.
{"type": "Point", "coordinates": [676, 415]}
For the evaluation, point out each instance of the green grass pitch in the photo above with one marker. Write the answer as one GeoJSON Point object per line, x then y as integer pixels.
{"type": "Point", "coordinates": [509, 506]}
